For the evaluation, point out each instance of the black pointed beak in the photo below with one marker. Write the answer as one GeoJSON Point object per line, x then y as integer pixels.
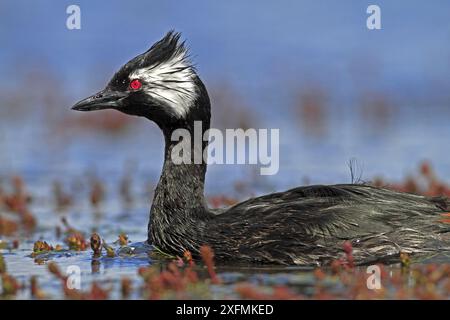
{"type": "Point", "coordinates": [105, 99]}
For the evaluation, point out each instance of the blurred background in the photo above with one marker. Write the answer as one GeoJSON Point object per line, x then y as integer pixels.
{"type": "Point", "coordinates": [337, 91]}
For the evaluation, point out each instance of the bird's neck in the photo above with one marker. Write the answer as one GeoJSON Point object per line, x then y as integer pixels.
{"type": "Point", "coordinates": [179, 208]}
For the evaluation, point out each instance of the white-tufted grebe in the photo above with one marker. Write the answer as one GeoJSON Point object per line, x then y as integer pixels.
{"type": "Point", "coordinates": [303, 226]}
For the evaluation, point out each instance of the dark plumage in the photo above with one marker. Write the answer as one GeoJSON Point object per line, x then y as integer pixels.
{"type": "Point", "coordinates": [304, 226]}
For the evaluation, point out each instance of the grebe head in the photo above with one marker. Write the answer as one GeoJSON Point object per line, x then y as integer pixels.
{"type": "Point", "coordinates": [161, 84]}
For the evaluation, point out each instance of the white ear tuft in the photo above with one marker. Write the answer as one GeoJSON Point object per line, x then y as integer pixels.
{"type": "Point", "coordinates": [171, 82]}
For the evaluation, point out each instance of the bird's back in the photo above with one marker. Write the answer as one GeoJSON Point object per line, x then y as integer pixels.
{"type": "Point", "coordinates": [308, 225]}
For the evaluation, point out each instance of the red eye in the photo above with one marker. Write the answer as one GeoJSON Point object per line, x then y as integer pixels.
{"type": "Point", "coordinates": [135, 84]}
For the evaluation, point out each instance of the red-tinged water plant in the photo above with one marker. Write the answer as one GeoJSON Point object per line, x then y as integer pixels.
{"type": "Point", "coordinates": [18, 185]}
{"type": "Point", "coordinates": [284, 293]}
{"type": "Point", "coordinates": [221, 201]}
{"type": "Point", "coordinates": [187, 255]}
{"type": "Point", "coordinates": [76, 242]}
{"type": "Point", "coordinates": [156, 283]}
{"type": "Point", "coordinates": [426, 170]}
{"type": "Point", "coordinates": [8, 227]}
{"type": "Point", "coordinates": [207, 255]}
{"type": "Point", "coordinates": [446, 218]}
{"type": "Point", "coordinates": [348, 249]}
{"type": "Point", "coordinates": [62, 199]}
{"type": "Point", "coordinates": [35, 290]}
{"type": "Point", "coordinates": [346, 263]}
{"type": "Point", "coordinates": [2, 197]}
{"type": "Point", "coordinates": [357, 288]}
{"type": "Point", "coordinates": [15, 244]}
{"type": "Point", "coordinates": [248, 291]}
{"type": "Point", "coordinates": [41, 246]}
{"type": "Point", "coordinates": [69, 229]}
{"type": "Point", "coordinates": [74, 238]}
{"type": "Point", "coordinates": [58, 232]}
{"type": "Point", "coordinates": [123, 239]}
{"type": "Point", "coordinates": [179, 262]}
{"type": "Point", "coordinates": [13, 203]}
{"type": "Point", "coordinates": [125, 287]}
{"type": "Point", "coordinates": [425, 182]}
{"type": "Point", "coordinates": [427, 291]}
{"type": "Point", "coordinates": [108, 122]}
{"type": "Point", "coordinates": [172, 280]}
{"type": "Point", "coordinates": [312, 111]}
{"type": "Point", "coordinates": [2, 264]}
{"type": "Point", "coordinates": [110, 252]}
{"type": "Point", "coordinates": [10, 286]}
{"type": "Point", "coordinates": [336, 266]}
{"type": "Point", "coordinates": [436, 274]}
{"type": "Point", "coordinates": [54, 270]}
{"type": "Point", "coordinates": [377, 109]}
{"type": "Point", "coordinates": [322, 294]}
{"type": "Point", "coordinates": [125, 189]}
{"type": "Point", "coordinates": [319, 274]}
{"type": "Point", "coordinates": [191, 275]}
{"type": "Point", "coordinates": [446, 287]}
{"type": "Point", "coordinates": [405, 260]}
{"type": "Point", "coordinates": [96, 244]}
{"type": "Point", "coordinates": [28, 221]}
{"type": "Point", "coordinates": [19, 198]}
{"type": "Point", "coordinates": [145, 273]}
{"type": "Point", "coordinates": [96, 293]}
{"type": "Point", "coordinates": [97, 193]}
{"type": "Point", "coordinates": [173, 277]}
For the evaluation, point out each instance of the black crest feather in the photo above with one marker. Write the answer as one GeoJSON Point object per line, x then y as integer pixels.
{"type": "Point", "coordinates": [165, 49]}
